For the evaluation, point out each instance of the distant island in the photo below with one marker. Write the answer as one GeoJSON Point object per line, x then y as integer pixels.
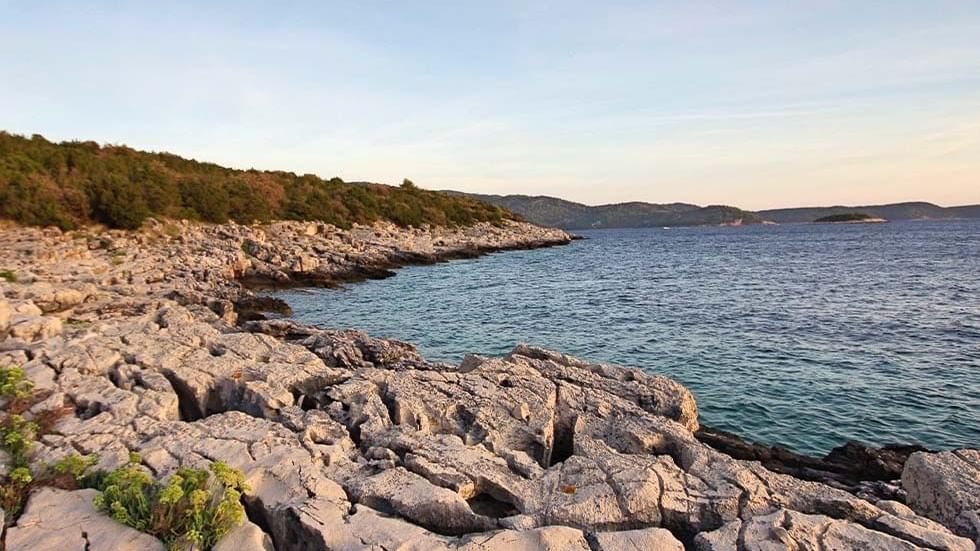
{"type": "Point", "coordinates": [848, 218]}
{"type": "Point", "coordinates": [569, 215]}
{"type": "Point", "coordinates": [915, 210]}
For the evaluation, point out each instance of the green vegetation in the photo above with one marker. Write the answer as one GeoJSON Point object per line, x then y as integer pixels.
{"type": "Point", "coordinates": [193, 508]}
{"type": "Point", "coordinates": [8, 276]}
{"type": "Point", "coordinates": [72, 183]}
{"type": "Point", "coordinates": [17, 437]}
{"type": "Point", "coordinates": [13, 384]}
{"type": "Point", "coordinates": [845, 217]}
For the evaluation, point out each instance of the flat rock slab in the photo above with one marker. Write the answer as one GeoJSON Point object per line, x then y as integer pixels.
{"type": "Point", "coordinates": [58, 520]}
{"type": "Point", "coordinates": [648, 539]}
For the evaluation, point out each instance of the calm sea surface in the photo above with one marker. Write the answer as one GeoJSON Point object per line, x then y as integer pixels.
{"type": "Point", "coordinates": [801, 335]}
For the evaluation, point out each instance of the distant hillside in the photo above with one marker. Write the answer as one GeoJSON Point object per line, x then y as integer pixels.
{"type": "Point", "coordinates": [71, 183]}
{"type": "Point", "coordinates": [897, 211]}
{"type": "Point", "coordinates": [551, 211]}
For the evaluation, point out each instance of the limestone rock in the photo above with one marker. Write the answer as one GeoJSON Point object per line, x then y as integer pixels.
{"type": "Point", "coordinates": [56, 520]}
{"type": "Point", "coordinates": [946, 487]}
{"type": "Point", "coordinates": [245, 537]}
{"type": "Point", "coordinates": [790, 530]}
{"type": "Point", "coordinates": [551, 538]}
{"type": "Point", "coordinates": [637, 540]}
{"type": "Point", "coordinates": [33, 328]}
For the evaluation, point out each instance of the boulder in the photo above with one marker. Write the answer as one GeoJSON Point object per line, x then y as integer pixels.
{"type": "Point", "coordinates": [245, 537]}
{"type": "Point", "coordinates": [33, 328]}
{"type": "Point", "coordinates": [945, 487]}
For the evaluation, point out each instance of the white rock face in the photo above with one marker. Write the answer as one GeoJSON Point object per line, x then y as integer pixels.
{"type": "Point", "coordinates": [637, 540]}
{"type": "Point", "coordinates": [246, 537]}
{"type": "Point", "coordinates": [56, 520]}
{"type": "Point", "coordinates": [351, 442]}
{"type": "Point", "coordinates": [946, 487]}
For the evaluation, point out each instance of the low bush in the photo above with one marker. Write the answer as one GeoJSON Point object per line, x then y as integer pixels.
{"type": "Point", "coordinates": [13, 383]}
{"type": "Point", "coordinates": [196, 507]}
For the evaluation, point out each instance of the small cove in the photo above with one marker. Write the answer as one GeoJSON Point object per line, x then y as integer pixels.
{"type": "Point", "coordinates": [800, 335]}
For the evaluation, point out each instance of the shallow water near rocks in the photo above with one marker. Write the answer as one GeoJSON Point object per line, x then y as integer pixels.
{"type": "Point", "coordinates": [800, 335]}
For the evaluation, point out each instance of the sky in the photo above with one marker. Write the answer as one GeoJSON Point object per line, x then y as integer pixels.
{"type": "Point", "coordinates": [755, 104]}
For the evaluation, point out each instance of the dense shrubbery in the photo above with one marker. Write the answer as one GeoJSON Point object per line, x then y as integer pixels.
{"type": "Point", "coordinates": [72, 183]}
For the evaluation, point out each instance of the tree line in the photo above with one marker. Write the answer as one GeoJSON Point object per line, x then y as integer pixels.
{"type": "Point", "coordinates": [75, 183]}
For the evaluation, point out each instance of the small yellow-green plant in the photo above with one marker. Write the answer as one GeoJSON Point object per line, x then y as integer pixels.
{"type": "Point", "coordinates": [17, 437]}
{"type": "Point", "coordinates": [196, 507]}
{"type": "Point", "coordinates": [13, 490]}
{"type": "Point", "coordinates": [8, 276]}
{"type": "Point", "coordinates": [74, 466]}
{"type": "Point", "coordinates": [13, 384]}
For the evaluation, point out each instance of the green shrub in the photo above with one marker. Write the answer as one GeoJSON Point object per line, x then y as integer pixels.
{"type": "Point", "coordinates": [13, 492]}
{"type": "Point", "coordinates": [17, 437]}
{"type": "Point", "coordinates": [8, 276]}
{"type": "Point", "coordinates": [13, 383]}
{"type": "Point", "coordinates": [74, 465]}
{"type": "Point", "coordinates": [194, 507]}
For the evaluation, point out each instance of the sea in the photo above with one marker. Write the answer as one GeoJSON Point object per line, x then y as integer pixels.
{"type": "Point", "coordinates": [805, 336]}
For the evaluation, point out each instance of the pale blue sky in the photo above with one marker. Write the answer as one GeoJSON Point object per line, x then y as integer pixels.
{"type": "Point", "coordinates": [757, 104]}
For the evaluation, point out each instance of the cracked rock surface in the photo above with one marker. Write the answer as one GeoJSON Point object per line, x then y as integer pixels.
{"type": "Point", "coordinates": [350, 442]}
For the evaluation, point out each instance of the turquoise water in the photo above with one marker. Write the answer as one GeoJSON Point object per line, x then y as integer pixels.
{"type": "Point", "coordinates": [801, 335]}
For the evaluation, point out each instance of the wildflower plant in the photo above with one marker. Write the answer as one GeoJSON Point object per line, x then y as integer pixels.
{"type": "Point", "coordinates": [195, 507]}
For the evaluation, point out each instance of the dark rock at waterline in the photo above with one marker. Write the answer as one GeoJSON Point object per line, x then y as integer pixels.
{"type": "Point", "coordinates": [854, 467]}
{"type": "Point", "coordinates": [867, 463]}
{"type": "Point", "coordinates": [257, 307]}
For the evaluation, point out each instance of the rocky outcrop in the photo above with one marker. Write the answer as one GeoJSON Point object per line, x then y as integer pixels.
{"type": "Point", "coordinates": [352, 442]}
{"type": "Point", "coordinates": [946, 487]}
{"type": "Point", "coordinates": [871, 473]}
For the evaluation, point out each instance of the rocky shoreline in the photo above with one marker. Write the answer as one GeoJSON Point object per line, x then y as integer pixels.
{"type": "Point", "coordinates": [153, 341]}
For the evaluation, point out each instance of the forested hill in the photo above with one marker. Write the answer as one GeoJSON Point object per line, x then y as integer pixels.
{"type": "Point", "coordinates": [897, 211]}
{"type": "Point", "coordinates": [72, 183]}
{"type": "Point", "coordinates": [551, 211]}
